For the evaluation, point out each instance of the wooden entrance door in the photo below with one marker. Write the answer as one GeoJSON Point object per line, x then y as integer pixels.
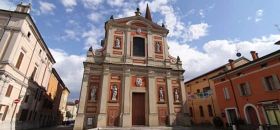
{"type": "Point", "coordinates": [163, 116]}
{"type": "Point", "coordinates": [138, 109]}
{"type": "Point", "coordinates": [252, 115]}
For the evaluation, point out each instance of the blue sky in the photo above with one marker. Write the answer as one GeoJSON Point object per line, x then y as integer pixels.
{"type": "Point", "coordinates": [204, 33]}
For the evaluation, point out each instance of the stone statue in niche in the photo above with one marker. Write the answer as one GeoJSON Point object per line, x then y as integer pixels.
{"type": "Point", "coordinates": [161, 95]}
{"type": "Point", "coordinates": [117, 43]}
{"type": "Point", "coordinates": [139, 82]}
{"type": "Point", "coordinates": [114, 92]}
{"type": "Point", "coordinates": [158, 47]}
{"type": "Point", "coordinates": [93, 94]}
{"type": "Point", "coordinates": [176, 95]}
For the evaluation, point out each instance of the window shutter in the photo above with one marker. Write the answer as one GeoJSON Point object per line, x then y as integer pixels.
{"type": "Point", "coordinates": [248, 89]}
{"type": "Point", "coordinates": [225, 93]}
{"type": "Point", "coordinates": [9, 91]}
{"type": "Point", "coordinates": [264, 84]}
{"type": "Point", "coordinates": [276, 81]}
{"type": "Point", "coordinates": [19, 60]}
{"type": "Point", "coordinates": [239, 89]}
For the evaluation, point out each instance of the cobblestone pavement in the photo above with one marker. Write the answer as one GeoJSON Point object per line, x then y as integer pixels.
{"type": "Point", "coordinates": [134, 128]}
{"type": "Point", "coordinates": [56, 128]}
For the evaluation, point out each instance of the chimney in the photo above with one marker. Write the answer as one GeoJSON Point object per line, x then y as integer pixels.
{"type": "Point", "coordinates": [254, 55]}
{"type": "Point", "coordinates": [23, 8]}
{"type": "Point", "coordinates": [231, 63]}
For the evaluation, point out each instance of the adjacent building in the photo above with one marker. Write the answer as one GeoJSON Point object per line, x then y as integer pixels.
{"type": "Point", "coordinates": [201, 96]}
{"type": "Point", "coordinates": [251, 91]}
{"type": "Point", "coordinates": [71, 109]}
{"type": "Point", "coordinates": [132, 80]}
{"type": "Point", "coordinates": [25, 69]}
{"type": "Point", "coordinates": [58, 93]}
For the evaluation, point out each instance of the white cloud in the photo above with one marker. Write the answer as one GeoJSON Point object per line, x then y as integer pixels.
{"type": "Point", "coordinates": [196, 31]}
{"type": "Point", "coordinates": [94, 17]}
{"type": "Point", "coordinates": [93, 37]}
{"type": "Point", "coordinates": [259, 15]}
{"type": "Point", "coordinates": [217, 52]}
{"type": "Point", "coordinates": [177, 28]}
{"type": "Point", "coordinates": [46, 7]}
{"type": "Point", "coordinates": [70, 35]}
{"type": "Point", "coordinates": [69, 4]}
{"type": "Point", "coordinates": [117, 3]}
{"type": "Point", "coordinates": [201, 13]}
{"type": "Point", "coordinates": [70, 69]}
{"type": "Point", "coordinates": [92, 4]}
{"type": "Point", "coordinates": [7, 5]}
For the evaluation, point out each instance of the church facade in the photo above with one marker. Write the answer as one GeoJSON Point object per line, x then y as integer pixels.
{"type": "Point", "coordinates": [132, 80]}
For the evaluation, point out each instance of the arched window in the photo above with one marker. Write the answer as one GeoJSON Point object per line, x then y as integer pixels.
{"type": "Point", "coordinates": [191, 111]}
{"type": "Point", "coordinates": [139, 46]}
{"type": "Point", "coordinates": [201, 111]}
{"type": "Point", "coordinates": [210, 111]}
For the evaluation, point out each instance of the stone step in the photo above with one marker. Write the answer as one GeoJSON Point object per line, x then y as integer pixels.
{"type": "Point", "coordinates": [142, 128]}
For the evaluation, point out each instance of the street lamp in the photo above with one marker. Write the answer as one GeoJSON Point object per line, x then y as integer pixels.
{"type": "Point", "coordinates": [5, 79]}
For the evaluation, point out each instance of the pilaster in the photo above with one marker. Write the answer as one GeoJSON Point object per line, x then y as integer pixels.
{"type": "Point", "coordinates": [128, 46]}
{"type": "Point", "coordinates": [170, 99]}
{"type": "Point", "coordinates": [102, 115]}
{"type": "Point", "coordinates": [125, 119]}
{"type": "Point", "coordinates": [185, 118]}
{"type": "Point", "coordinates": [80, 119]}
{"type": "Point", "coordinates": [153, 114]}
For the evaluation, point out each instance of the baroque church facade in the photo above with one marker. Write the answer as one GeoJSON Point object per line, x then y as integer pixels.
{"type": "Point", "coordinates": [132, 80]}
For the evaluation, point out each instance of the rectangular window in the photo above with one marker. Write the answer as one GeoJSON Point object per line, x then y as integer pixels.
{"type": "Point", "coordinates": [20, 58]}
{"type": "Point", "coordinates": [26, 98]}
{"type": "Point", "coordinates": [201, 111]}
{"type": "Point", "coordinates": [273, 114]}
{"type": "Point", "coordinates": [5, 112]}
{"type": "Point", "coordinates": [23, 115]}
{"type": "Point", "coordinates": [191, 111]}
{"type": "Point", "coordinates": [33, 73]}
{"type": "Point", "coordinates": [244, 89]}
{"type": "Point", "coordinates": [271, 83]}
{"type": "Point", "coordinates": [226, 93]}
{"type": "Point", "coordinates": [9, 91]}
{"type": "Point", "coordinates": [210, 111]}
{"type": "Point", "coordinates": [139, 46]}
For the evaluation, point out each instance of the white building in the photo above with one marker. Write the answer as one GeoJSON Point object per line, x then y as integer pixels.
{"type": "Point", "coordinates": [25, 68]}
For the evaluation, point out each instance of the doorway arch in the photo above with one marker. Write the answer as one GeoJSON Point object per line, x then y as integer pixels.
{"type": "Point", "coordinates": [251, 114]}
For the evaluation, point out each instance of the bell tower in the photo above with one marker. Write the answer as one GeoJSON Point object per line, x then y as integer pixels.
{"type": "Point", "coordinates": [132, 80]}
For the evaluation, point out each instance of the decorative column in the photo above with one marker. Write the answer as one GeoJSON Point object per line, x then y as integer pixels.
{"type": "Point", "coordinates": [125, 119]}
{"type": "Point", "coordinates": [170, 99]}
{"type": "Point", "coordinates": [80, 122]}
{"type": "Point", "coordinates": [152, 90]}
{"type": "Point", "coordinates": [102, 115]}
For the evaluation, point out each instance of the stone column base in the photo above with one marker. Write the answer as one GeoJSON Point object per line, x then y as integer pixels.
{"type": "Point", "coordinates": [153, 119]}
{"type": "Point", "coordinates": [79, 122]}
{"type": "Point", "coordinates": [171, 119]}
{"type": "Point", "coordinates": [102, 120]}
{"type": "Point", "coordinates": [125, 120]}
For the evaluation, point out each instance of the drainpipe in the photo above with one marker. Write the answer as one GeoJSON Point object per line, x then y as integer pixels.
{"type": "Point", "coordinates": [235, 101]}
{"type": "Point", "coordinates": [212, 98]}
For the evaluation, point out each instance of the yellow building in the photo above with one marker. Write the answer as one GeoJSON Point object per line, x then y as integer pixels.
{"type": "Point", "coordinates": [58, 93]}
{"type": "Point", "coordinates": [201, 98]}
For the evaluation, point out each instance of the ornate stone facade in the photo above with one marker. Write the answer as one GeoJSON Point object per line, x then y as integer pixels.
{"type": "Point", "coordinates": [135, 82]}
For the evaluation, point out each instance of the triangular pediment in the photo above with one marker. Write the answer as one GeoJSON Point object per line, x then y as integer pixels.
{"type": "Point", "coordinates": [137, 21]}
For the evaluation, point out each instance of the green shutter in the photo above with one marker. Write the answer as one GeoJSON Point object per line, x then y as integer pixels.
{"type": "Point", "coordinates": [276, 81]}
